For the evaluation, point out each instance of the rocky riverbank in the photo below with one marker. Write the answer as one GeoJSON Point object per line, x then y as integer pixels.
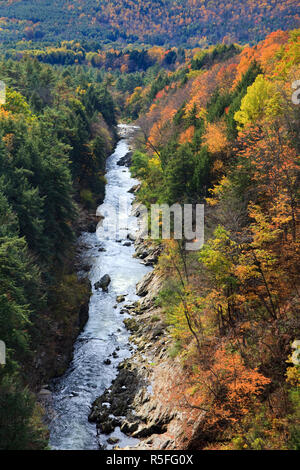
{"type": "Point", "coordinates": [138, 401]}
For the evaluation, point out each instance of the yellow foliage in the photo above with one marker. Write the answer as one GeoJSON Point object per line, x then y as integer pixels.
{"type": "Point", "coordinates": [261, 100]}
{"type": "Point", "coordinates": [215, 137]}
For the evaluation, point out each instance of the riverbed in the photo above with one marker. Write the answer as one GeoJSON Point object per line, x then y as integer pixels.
{"type": "Point", "coordinates": [104, 338]}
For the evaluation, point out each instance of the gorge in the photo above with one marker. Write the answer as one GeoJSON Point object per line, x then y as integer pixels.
{"type": "Point", "coordinates": [104, 335]}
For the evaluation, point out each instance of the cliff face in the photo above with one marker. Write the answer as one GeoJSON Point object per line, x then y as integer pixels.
{"type": "Point", "coordinates": [58, 327]}
{"type": "Point", "coordinates": [141, 400]}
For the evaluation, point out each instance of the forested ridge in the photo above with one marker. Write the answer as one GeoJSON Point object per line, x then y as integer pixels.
{"type": "Point", "coordinates": [160, 22]}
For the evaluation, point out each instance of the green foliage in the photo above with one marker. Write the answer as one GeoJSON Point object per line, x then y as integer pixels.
{"type": "Point", "coordinates": [294, 418]}
{"type": "Point", "coordinates": [139, 165]}
{"type": "Point", "coordinates": [16, 103]}
{"type": "Point", "coordinates": [264, 432]}
{"type": "Point", "coordinates": [175, 350]}
{"type": "Point", "coordinates": [20, 421]}
{"type": "Point", "coordinates": [248, 78]}
{"type": "Point", "coordinates": [220, 52]}
{"type": "Point", "coordinates": [179, 175]}
{"type": "Point", "coordinates": [86, 197]}
{"type": "Point", "coordinates": [217, 105]}
{"type": "Point", "coordinates": [161, 81]}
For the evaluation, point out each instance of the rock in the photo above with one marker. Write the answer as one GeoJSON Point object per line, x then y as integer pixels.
{"type": "Point", "coordinates": [101, 249]}
{"type": "Point", "coordinates": [85, 267]}
{"type": "Point", "coordinates": [113, 440]}
{"type": "Point", "coordinates": [142, 286]}
{"type": "Point", "coordinates": [126, 160]}
{"type": "Point", "coordinates": [131, 324]}
{"type": "Point", "coordinates": [149, 253]}
{"type": "Point", "coordinates": [127, 243]}
{"type": "Point", "coordinates": [107, 426]}
{"type": "Point", "coordinates": [131, 237]}
{"type": "Point", "coordinates": [107, 362]}
{"type": "Point", "coordinates": [129, 428]}
{"type": "Point", "coordinates": [166, 444]}
{"type": "Point", "coordinates": [114, 355]}
{"type": "Point", "coordinates": [150, 261]}
{"type": "Point", "coordinates": [120, 298]}
{"type": "Point", "coordinates": [45, 393]}
{"type": "Point", "coordinates": [157, 426]}
{"type": "Point", "coordinates": [103, 283]}
{"type": "Point", "coordinates": [134, 188]}
{"type": "Point", "coordinates": [132, 306]}
{"type": "Point", "coordinates": [83, 315]}
{"type": "Point", "coordinates": [157, 331]}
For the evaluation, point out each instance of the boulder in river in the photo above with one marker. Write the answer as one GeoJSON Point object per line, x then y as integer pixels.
{"type": "Point", "coordinates": [123, 310]}
{"type": "Point", "coordinates": [131, 237]}
{"type": "Point", "coordinates": [103, 283]}
{"type": "Point", "coordinates": [106, 427]}
{"type": "Point", "coordinates": [113, 440]}
{"type": "Point", "coordinates": [126, 160]}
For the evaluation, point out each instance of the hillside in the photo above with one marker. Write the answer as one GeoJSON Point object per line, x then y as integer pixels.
{"type": "Point", "coordinates": [224, 133]}
{"type": "Point", "coordinates": [160, 22]}
{"type": "Point", "coordinates": [54, 143]}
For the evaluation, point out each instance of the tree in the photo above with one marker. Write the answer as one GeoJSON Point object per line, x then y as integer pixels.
{"type": "Point", "coordinates": [21, 426]}
{"type": "Point", "coordinates": [179, 174]}
{"type": "Point", "coordinates": [257, 103]}
{"type": "Point", "coordinates": [226, 390]}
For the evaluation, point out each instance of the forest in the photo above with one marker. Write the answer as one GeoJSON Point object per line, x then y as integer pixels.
{"type": "Point", "coordinates": [190, 23]}
{"type": "Point", "coordinates": [56, 132]}
{"type": "Point", "coordinates": [218, 126]}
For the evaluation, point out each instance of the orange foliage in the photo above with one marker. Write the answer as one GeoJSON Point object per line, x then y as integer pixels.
{"type": "Point", "coordinates": [226, 76]}
{"type": "Point", "coordinates": [187, 135]}
{"type": "Point", "coordinates": [224, 389]}
{"type": "Point", "coordinates": [215, 137]}
{"type": "Point", "coordinates": [264, 53]}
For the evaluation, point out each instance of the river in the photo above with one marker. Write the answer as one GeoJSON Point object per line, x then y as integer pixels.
{"type": "Point", "coordinates": [104, 334]}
